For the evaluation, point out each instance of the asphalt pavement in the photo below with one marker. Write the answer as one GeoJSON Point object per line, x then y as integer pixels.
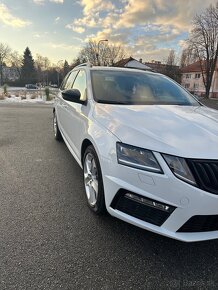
{"type": "Point", "coordinates": [49, 239]}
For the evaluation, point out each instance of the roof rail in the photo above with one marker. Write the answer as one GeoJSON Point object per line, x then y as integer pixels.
{"type": "Point", "coordinates": [84, 64]}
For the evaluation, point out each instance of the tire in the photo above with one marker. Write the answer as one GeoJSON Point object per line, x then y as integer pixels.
{"type": "Point", "coordinates": [57, 133]}
{"type": "Point", "coordinates": [93, 181]}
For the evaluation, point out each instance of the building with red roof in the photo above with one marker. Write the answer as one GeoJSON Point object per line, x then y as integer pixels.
{"type": "Point", "coordinates": [192, 80]}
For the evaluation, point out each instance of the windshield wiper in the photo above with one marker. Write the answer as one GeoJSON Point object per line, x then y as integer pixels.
{"type": "Point", "coordinates": [113, 102]}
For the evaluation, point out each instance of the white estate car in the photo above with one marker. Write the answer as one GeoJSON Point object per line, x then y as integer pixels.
{"type": "Point", "coordinates": [148, 149]}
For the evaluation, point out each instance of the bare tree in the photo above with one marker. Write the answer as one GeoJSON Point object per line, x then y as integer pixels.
{"type": "Point", "coordinates": [42, 64]}
{"type": "Point", "coordinates": [75, 62]}
{"type": "Point", "coordinates": [16, 61]}
{"type": "Point", "coordinates": [5, 51]}
{"type": "Point", "coordinates": [101, 53]}
{"type": "Point", "coordinates": [114, 54]}
{"type": "Point", "coordinates": [203, 41]}
{"type": "Point", "coordinates": [171, 60]}
{"type": "Point", "coordinates": [171, 69]}
{"type": "Point", "coordinates": [188, 56]}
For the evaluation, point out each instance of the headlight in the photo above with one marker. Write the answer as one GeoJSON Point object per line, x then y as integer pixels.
{"type": "Point", "coordinates": [180, 168]}
{"type": "Point", "coordinates": [138, 158]}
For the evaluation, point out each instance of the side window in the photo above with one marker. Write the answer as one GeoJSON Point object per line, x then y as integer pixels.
{"type": "Point", "coordinates": [80, 84]}
{"type": "Point", "coordinates": [64, 81]}
{"type": "Point", "coordinates": [69, 81]}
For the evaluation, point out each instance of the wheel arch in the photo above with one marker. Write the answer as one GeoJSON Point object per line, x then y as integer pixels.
{"type": "Point", "coordinates": [86, 142]}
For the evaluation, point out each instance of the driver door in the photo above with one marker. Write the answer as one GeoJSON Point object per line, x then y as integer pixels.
{"type": "Point", "coordinates": [76, 120]}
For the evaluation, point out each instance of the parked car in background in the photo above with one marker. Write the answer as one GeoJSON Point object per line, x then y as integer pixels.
{"type": "Point", "coordinates": [31, 87]}
{"type": "Point", "coordinates": [147, 147]}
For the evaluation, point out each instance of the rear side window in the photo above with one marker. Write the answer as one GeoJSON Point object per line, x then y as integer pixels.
{"type": "Point", "coordinates": [68, 81]}
{"type": "Point", "coordinates": [80, 84]}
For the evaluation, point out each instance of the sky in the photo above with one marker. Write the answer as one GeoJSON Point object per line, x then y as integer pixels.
{"type": "Point", "coordinates": [58, 29]}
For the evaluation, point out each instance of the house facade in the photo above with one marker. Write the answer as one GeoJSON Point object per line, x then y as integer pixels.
{"type": "Point", "coordinates": [192, 80]}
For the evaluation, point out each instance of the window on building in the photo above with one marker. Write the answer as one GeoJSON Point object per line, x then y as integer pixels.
{"type": "Point", "coordinates": [188, 76]}
{"type": "Point", "coordinates": [187, 86]}
{"type": "Point", "coordinates": [196, 86]}
{"type": "Point", "coordinates": [197, 76]}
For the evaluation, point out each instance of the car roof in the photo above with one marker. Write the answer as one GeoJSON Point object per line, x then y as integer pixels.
{"type": "Point", "coordinates": [113, 68]}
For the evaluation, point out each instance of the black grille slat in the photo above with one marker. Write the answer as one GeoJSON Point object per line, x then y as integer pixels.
{"type": "Point", "coordinates": [200, 223]}
{"type": "Point", "coordinates": [205, 173]}
{"type": "Point", "coordinates": [211, 174]}
{"type": "Point", "coordinates": [215, 169]}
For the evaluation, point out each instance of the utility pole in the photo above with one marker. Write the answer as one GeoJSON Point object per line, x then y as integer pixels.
{"type": "Point", "coordinates": [97, 54]}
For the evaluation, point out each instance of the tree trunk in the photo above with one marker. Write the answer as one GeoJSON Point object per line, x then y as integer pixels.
{"type": "Point", "coordinates": [207, 92]}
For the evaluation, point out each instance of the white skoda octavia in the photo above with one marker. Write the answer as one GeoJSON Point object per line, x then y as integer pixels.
{"type": "Point", "coordinates": [148, 149]}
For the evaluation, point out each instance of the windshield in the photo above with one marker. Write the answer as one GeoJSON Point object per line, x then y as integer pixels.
{"type": "Point", "coordinates": [138, 88]}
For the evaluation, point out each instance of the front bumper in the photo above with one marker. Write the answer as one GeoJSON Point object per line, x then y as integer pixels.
{"type": "Point", "coordinates": [188, 200]}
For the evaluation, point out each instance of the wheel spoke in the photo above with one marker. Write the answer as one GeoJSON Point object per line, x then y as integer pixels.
{"type": "Point", "coordinates": [90, 179]}
{"type": "Point", "coordinates": [95, 185]}
{"type": "Point", "coordinates": [87, 178]}
{"type": "Point", "coordinates": [87, 167]}
{"type": "Point", "coordinates": [89, 164]}
{"type": "Point", "coordinates": [92, 198]}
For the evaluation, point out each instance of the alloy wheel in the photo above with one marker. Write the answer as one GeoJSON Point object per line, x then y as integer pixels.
{"type": "Point", "coordinates": [91, 179]}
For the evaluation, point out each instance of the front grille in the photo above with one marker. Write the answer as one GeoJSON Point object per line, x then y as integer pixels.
{"type": "Point", "coordinates": [200, 223]}
{"type": "Point", "coordinates": [139, 210]}
{"type": "Point", "coordinates": [205, 173]}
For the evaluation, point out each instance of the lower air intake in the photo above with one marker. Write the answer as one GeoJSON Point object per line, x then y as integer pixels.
{"type": "Point", "coordinates": [145, 209]}
{"type": "Point", "coordinates": [200, 223]}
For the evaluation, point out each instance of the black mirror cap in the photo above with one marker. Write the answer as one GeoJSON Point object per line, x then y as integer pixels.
{"type": "Point", "coordinates": [72, 95]}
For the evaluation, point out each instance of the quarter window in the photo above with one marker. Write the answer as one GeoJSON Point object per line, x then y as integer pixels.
{"type": "Point", "coordinates": [69, 83]}
{"type": "Point", "coordinates": [80, 84]}
{"type": "Point", "coordinates": [64, 81]}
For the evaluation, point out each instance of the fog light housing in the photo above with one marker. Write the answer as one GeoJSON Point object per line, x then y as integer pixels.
{"type": "Point", "coordinates": [150, 202]}
{"type": "Point", "coordinates": [141, 207]}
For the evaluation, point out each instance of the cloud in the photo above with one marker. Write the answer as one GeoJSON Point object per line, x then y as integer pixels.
{"type": "Point", "coordinates": [9, 19]}
{"type": "Point", "coordinates": [42, 2]}
{"type": "Point", "coordinates": [91, 14]}
{"type": "Point", "coordinates": [57, 19]}
{"type": "Point", "coordinates": [78, 29]}
{"type": "Point", "coordinates": [93, 6]}
{"type": "Point", "coordinates": [39, 2]}
{"type": "Point", "coordinates": [171, 12]}
{"type": "Point", "coordinates": [37, 35]}
{"type": "Point", "coordinates": [57, 1]}
{"type": "Point", "coordinates": [147, 28]}
{"type": "Point", "coordinates": [63, 46]}
{"type": "Point", "coordinates": [41, 34]}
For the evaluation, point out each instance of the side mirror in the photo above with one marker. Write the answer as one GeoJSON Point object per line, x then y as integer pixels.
{"type": "Point", "coordinates": [72, 95]}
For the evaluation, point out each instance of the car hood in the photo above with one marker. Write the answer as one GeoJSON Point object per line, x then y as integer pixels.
{"type": "Point", "coordinates": [186, 131]}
